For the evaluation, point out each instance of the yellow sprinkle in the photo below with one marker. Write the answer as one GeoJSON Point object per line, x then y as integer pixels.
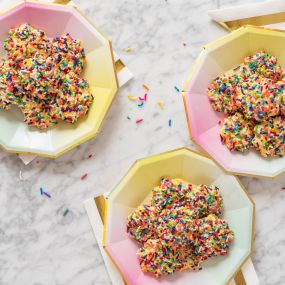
{"type": "Point", "coordinates": [132, 98]}
{"type": "Point", "coordinates": [160, 104]}
{"type": "Point", "coordinates": [128, 49]}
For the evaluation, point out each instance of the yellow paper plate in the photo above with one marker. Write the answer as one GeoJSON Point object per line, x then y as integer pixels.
{"type": "Point", "coordinates": [56, 20]}
{"type": "Point", "coordinates": [134, 189]}
{"type": "Point", "coordinates": [204, 123]}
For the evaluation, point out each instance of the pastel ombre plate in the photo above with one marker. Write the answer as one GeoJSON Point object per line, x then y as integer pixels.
{"type": "Point", "coordinates": [215, 59]}
{"type": "Point", "coordinates": [135, 188]}
{"type": "Point", "coordinates": [99, 71]}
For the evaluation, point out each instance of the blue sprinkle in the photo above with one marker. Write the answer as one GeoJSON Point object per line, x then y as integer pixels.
{"type": "Point", "coordinates": [42, 190]}
{"type": "Point", "coordinates": [140, 105]}
{"type": "Point", "coordinates": [169, 123]}
{"type": "Point", "coordinates": [177, 89]}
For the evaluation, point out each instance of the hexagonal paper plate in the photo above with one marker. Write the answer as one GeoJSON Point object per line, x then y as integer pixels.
{"type": "Point", "coordinates": [135, 188]}
{"type": "Point", "coordinates": [99, 71]}
{"type": "Point", "coordinates": [215, 59]}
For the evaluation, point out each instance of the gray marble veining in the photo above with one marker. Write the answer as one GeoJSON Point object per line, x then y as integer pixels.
{"type": "Point", "coordinates": [39, 246]}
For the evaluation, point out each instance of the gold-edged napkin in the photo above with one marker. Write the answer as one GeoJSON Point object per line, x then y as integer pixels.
{"type": "Point", "coordinates": [268, 13]}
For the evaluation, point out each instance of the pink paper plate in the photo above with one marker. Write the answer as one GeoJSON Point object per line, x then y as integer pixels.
{"type": "Point", "coordinates": [215, 59]}
{"type": "Point", "coordinates": [135, 188]}
{"type": "Point", "coordinates": [99, 70]}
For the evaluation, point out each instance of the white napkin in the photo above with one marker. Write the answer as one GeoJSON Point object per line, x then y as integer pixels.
{"type": "Point", "coordinates": [260, 9]}
{"type": "Point", "coordinates": [248, 270]}
{"type": "Point", "coordinates": [123, 76]}
{"type": "Point", "coordinates": [98, 228]}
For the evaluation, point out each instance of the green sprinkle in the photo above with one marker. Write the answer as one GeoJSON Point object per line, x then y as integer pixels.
{"type": "Point", "coordinates": [65, 212]}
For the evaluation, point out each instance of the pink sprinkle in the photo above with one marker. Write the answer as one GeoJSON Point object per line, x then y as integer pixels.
{"type": "Point", "coordinates": [139, 121]}
{"type": "Point", "coordinates": [83, 176]}
{"type": "Point", "coordinates": [144, 98]}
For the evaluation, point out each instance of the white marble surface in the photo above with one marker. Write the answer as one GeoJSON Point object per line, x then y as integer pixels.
{"type": "Point", "coordinates": [38, 245]}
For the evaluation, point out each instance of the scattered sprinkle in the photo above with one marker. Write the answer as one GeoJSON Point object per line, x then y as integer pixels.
{"type": "Point", "coordinates": [177, 89]}
{"type": "Point", "coordinates": [145, 96]}
{"type": "Point", "coordinates": [169, 123]}
{"type": "Point", "coordinates": [184, 44]}
{"type": "Point", "coordinates": [161, 105]}
{"type": "Point", "coordinates": [47, 194]}
{"type": "Point", "coordinates": [129, 49]}
{"type": "Point", "coordinates": [90, 155]}
{"type": "Point", "coordinates": [41, 190]}
{"type": "Point", "coordinates": [283, 188]}
{"type": "Point", "coordinates": [132, 98]}
{"type": "Point", "coordinates": [220, 122]}
{"type": "Point", "coordinates": [65, 212]}
{"type": "Point", "coordinates": [128, 118]}
{"type": "Point", "coordinates": [84, 176]}
{"type": "Point", "coordinates": [139, 121]}
{"type": "Point", "coordinates": [140, 104]}
{"type": "Point", "coordinates": [141, 99]}
{"type": "Point", "coordinates": [145, 87]}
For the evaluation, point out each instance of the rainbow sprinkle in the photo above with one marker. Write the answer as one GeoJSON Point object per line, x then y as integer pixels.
{"type": "Point", "coordinates": [132, 98]}
{"type": "Point", "coordinates": [145, 87]}
{"type": "Point", "coordinates": [161, 105]}
{"type": "Point", "coordinates": [65, 212]}
{"type": "Point", "coordinates": [47, 194]}
{"type": "Point", "coordinates": [139, 121]}
{"type": "Point", "coordinates": [84, 176]}
{"type": "Point", "coordinates": [177, 89]}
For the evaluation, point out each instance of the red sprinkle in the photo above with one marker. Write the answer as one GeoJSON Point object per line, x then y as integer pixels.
{"type": "Point", "coordinates": [84, 176]}
{"type": "Point", "coordinates": [139, 121]}
{"type": "Point", "coordinates": [283, 188]}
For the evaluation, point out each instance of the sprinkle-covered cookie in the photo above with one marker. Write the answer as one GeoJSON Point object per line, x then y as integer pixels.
{"type": "Point", "coordinates": [222, 93]}
{"type": "Point", "coordinates": [74, 98]}
{"type": "Point", "coordinates": [24, 41]}
{"type": "Point", "coordinates": [264, 64]}
{"type": "Point", "coordinates": [70, 55]}
{"type": "Point", "coordinates": [269, 137]}
{"type": "Point", "coordinates": [236, 132]}
{"type": "Point", "coordinates": [259, 98]}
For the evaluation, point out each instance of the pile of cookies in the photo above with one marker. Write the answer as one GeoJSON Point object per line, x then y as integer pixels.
{"type": "Point", "coordinates": [253, 97]}
{"type": "Point", "coordinates": [180, 228]}
{"type": "Point", "coordinates": [42, 77]}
